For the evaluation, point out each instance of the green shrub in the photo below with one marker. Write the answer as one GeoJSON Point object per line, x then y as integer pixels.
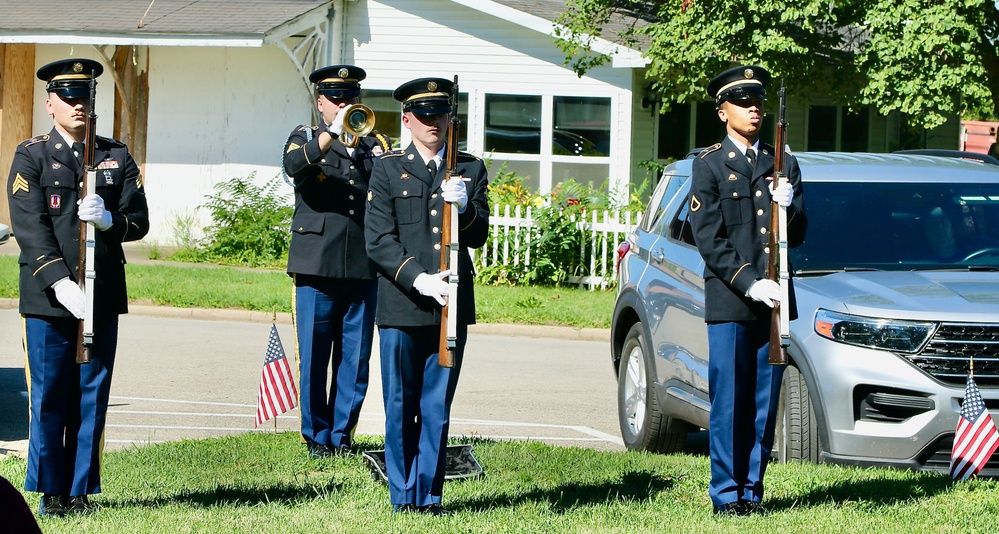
{"type": "Point", "coordinates": [249, 225]}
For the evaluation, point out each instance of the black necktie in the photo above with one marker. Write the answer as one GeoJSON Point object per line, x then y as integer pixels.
{"type": "Point", "coordinates": [751, 154]}
{"type": "Point", "coordinates": [432, 167]}
{"type": "Point", "coordinates": [78, 147]}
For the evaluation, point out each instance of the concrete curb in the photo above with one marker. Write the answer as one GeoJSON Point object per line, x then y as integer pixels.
{"type": "Point", "coordinates": [247, 316]}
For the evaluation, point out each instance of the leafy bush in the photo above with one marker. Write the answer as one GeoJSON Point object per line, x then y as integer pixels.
{"type": "Point", "coordinates": [557, 246]}
{"type": "Point", "coordinates": [249, 225]}
{"type": "Point", "coordinates": [506, 188]}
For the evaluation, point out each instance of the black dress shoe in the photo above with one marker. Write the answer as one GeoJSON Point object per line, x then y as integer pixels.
{"type": "Point", "coordinates": [753, 507]}
{"type": "Point", "coordinates": [732, 509]}
{"type": "Point", "coordinates": [80, 504]}
{"type": "Point", "coordinates": [341, 450]}
{"type": "Point", "coordinates": [403, 508]}
{"type": "Point", "coordinates": [318, 450]}
{"type": "Point", "coordinates": [433, 509]}
{"type": "Point", "coordinates": [52, 506]}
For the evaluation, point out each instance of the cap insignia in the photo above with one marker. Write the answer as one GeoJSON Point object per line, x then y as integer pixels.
{"type": "Point", "coordinates": [431, 86]}
{"type": "Point", "coordinates": [748, 73]}
{"type": "Point", "coordinates": [343, 73]}
{"type": "Point", "coordinates": [77, 67]}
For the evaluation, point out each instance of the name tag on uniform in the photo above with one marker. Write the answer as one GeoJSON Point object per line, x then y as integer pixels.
{"type": "Point", "coordinates": [108, 164]}
{"type": "Point", "coordinates": [55, 201]}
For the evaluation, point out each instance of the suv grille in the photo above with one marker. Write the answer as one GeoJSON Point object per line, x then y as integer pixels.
{"type": "Point", "coordinates": [946, 355]}
{"type": "Point", "coordinates": [936, 457]}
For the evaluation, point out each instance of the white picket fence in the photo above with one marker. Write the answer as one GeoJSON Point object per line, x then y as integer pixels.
{"type": "Point", "coordinates": [606, 231]}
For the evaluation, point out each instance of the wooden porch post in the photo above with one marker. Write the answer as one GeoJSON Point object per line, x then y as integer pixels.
{"type": "Point", "coordinates": [132, 112]}
{"type": "Point", "coordinates": [17, 75]}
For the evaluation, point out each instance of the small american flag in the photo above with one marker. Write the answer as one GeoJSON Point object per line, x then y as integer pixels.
{"type": "Point", "coordinates": [278, 393]}
{"type": "Point", "coordinates": [976, 437]}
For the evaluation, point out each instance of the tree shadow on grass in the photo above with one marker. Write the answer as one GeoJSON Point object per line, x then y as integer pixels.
{"type": "Point", "coordinates": [233, 496]}
{"type": "Point", "coordinates": [878, 492]}
{"type": "Point", "coordinates": [633, 485]}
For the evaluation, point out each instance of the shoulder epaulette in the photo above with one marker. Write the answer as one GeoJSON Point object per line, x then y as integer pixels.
{"type": "Point", "coordinates": [709, 150]}
{"type": "Point", "coordinates": [110, 140]}
{"type": "Point", "coordinates": [304, 127]}
{"type": "Point", "coordinates": [393, 153]}
{"type": "Point", "coordinates": [466, 156]}
{"type": "Point", "coordinates": [35, 139]}
{"type": "Point", "coordinates": [382, 140]}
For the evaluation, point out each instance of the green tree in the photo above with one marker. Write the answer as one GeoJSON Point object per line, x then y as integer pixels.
{"type": "Point", "coordinates": [924, 58]}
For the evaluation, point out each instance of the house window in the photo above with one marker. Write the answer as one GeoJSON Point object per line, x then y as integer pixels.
{"type": "Point", "coordinates": [388, 115]}
{"type": "Point", "coordinates": [548, 140]}
{"type": "Point", "coordinates": [834, 128]}
{"type": "Point", "coordinates": [513, 124]}
{"type": "Point", "coordinates": [710, 129]}
{"type": "Point", "coordinates": [582, 126]}
{"type": "Point", "coordinates": [674, 133]}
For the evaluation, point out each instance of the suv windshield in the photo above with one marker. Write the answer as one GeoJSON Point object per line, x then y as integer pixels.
{"type": "Point", "coordinates": [895, 226]}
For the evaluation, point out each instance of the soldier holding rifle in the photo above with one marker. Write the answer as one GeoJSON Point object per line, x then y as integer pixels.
{"type": "Point", "coordinates": [730, 205]}
{"type": "Point", "coordinates": [68, 401]}
{"type": "Point", "coordinates": [406, 202]}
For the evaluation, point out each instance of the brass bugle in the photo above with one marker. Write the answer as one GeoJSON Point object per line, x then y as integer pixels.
{"type": "Point", "coordinates": [358, 121]}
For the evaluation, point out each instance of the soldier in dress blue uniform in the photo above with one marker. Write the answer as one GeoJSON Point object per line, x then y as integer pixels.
{"type": "Point", "coordinates": [730, 203]}
{"type": "Point", "coordinates": [68, 401]}
{"type": "Point", "coordinates": [335, 288]}
{"type": "Point", "coordinates": [405, 209]}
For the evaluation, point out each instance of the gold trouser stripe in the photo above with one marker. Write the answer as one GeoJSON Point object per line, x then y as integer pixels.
{"type": "Point", "coordinates": [298, 359]}
{"type": "Point", "coordinates": [27, 368]}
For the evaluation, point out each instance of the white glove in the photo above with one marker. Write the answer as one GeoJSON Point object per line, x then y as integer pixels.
{"type": "Point", "coordinates": [765, 290]}
{"type": "Point", "coordinates": [454, 192]}
{"type": "Point", "coordinates": [783, 194]}
{"type": "Point", "coordinates": [433, 285]}
{"type": "Point", "coordinates": [337, 127]}
{"type": "Point", "coordinates": [70, 296]}
{"type": "Point", "coordinates": [92, 211]}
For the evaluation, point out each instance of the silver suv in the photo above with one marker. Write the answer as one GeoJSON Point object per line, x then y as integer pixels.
{"type": "Point", "coordinates": [897, 285]}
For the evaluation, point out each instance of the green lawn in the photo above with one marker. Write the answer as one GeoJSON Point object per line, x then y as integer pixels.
{"type": "Point", "coordinates": [196, 286]}
{"type": "Point", "coordinates": [263, 482]}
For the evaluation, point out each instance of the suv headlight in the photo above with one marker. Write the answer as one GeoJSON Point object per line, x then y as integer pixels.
{"type": "Point", "coordinates": [881, 334]}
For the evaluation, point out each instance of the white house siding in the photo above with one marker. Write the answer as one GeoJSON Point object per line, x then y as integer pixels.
{"type": "Point", "coordinates": [398, 40]}
{"type": "Point", "coordinates": [41, 122]}
{"type": "Point", "coordinates": [215, 114]}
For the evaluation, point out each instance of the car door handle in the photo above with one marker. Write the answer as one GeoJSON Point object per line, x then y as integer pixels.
{"type": "Point", "coordinates": [658, 256]}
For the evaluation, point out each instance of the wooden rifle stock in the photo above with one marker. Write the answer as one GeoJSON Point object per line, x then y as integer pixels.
{"type": "Point", "coordinates": [449, 245]}
{"type": "Point", "coordinates": [85, 273]}
{"type": "Point", "coordinates": [777, 269]}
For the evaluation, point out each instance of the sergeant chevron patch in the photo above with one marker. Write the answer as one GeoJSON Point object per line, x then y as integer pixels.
{"type": "Point", "coordinates": [293, 146]}
{"type": "Point", "coordinates": [19, 184]}
{"type": "Point", "coordinates": [694, 203]}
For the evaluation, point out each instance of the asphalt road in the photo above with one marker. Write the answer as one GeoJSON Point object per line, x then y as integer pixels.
{"type": "Point", "coordinates": [182, 378]}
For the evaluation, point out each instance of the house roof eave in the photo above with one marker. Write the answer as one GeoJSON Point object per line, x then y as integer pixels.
{"type": "Point", "coordinates": [622, 56]}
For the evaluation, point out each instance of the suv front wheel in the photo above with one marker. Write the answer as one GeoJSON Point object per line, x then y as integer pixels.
{"type": "Point", "coordinates": [643, 425]}
{"type": "Point", "coordinates": [796, 438]}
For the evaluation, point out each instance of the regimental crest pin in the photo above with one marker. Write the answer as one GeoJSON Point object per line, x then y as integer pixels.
{"type": "Point", "coordinates": [55, 201]}
{"type": "Point", "coordinates": [56, 165]}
